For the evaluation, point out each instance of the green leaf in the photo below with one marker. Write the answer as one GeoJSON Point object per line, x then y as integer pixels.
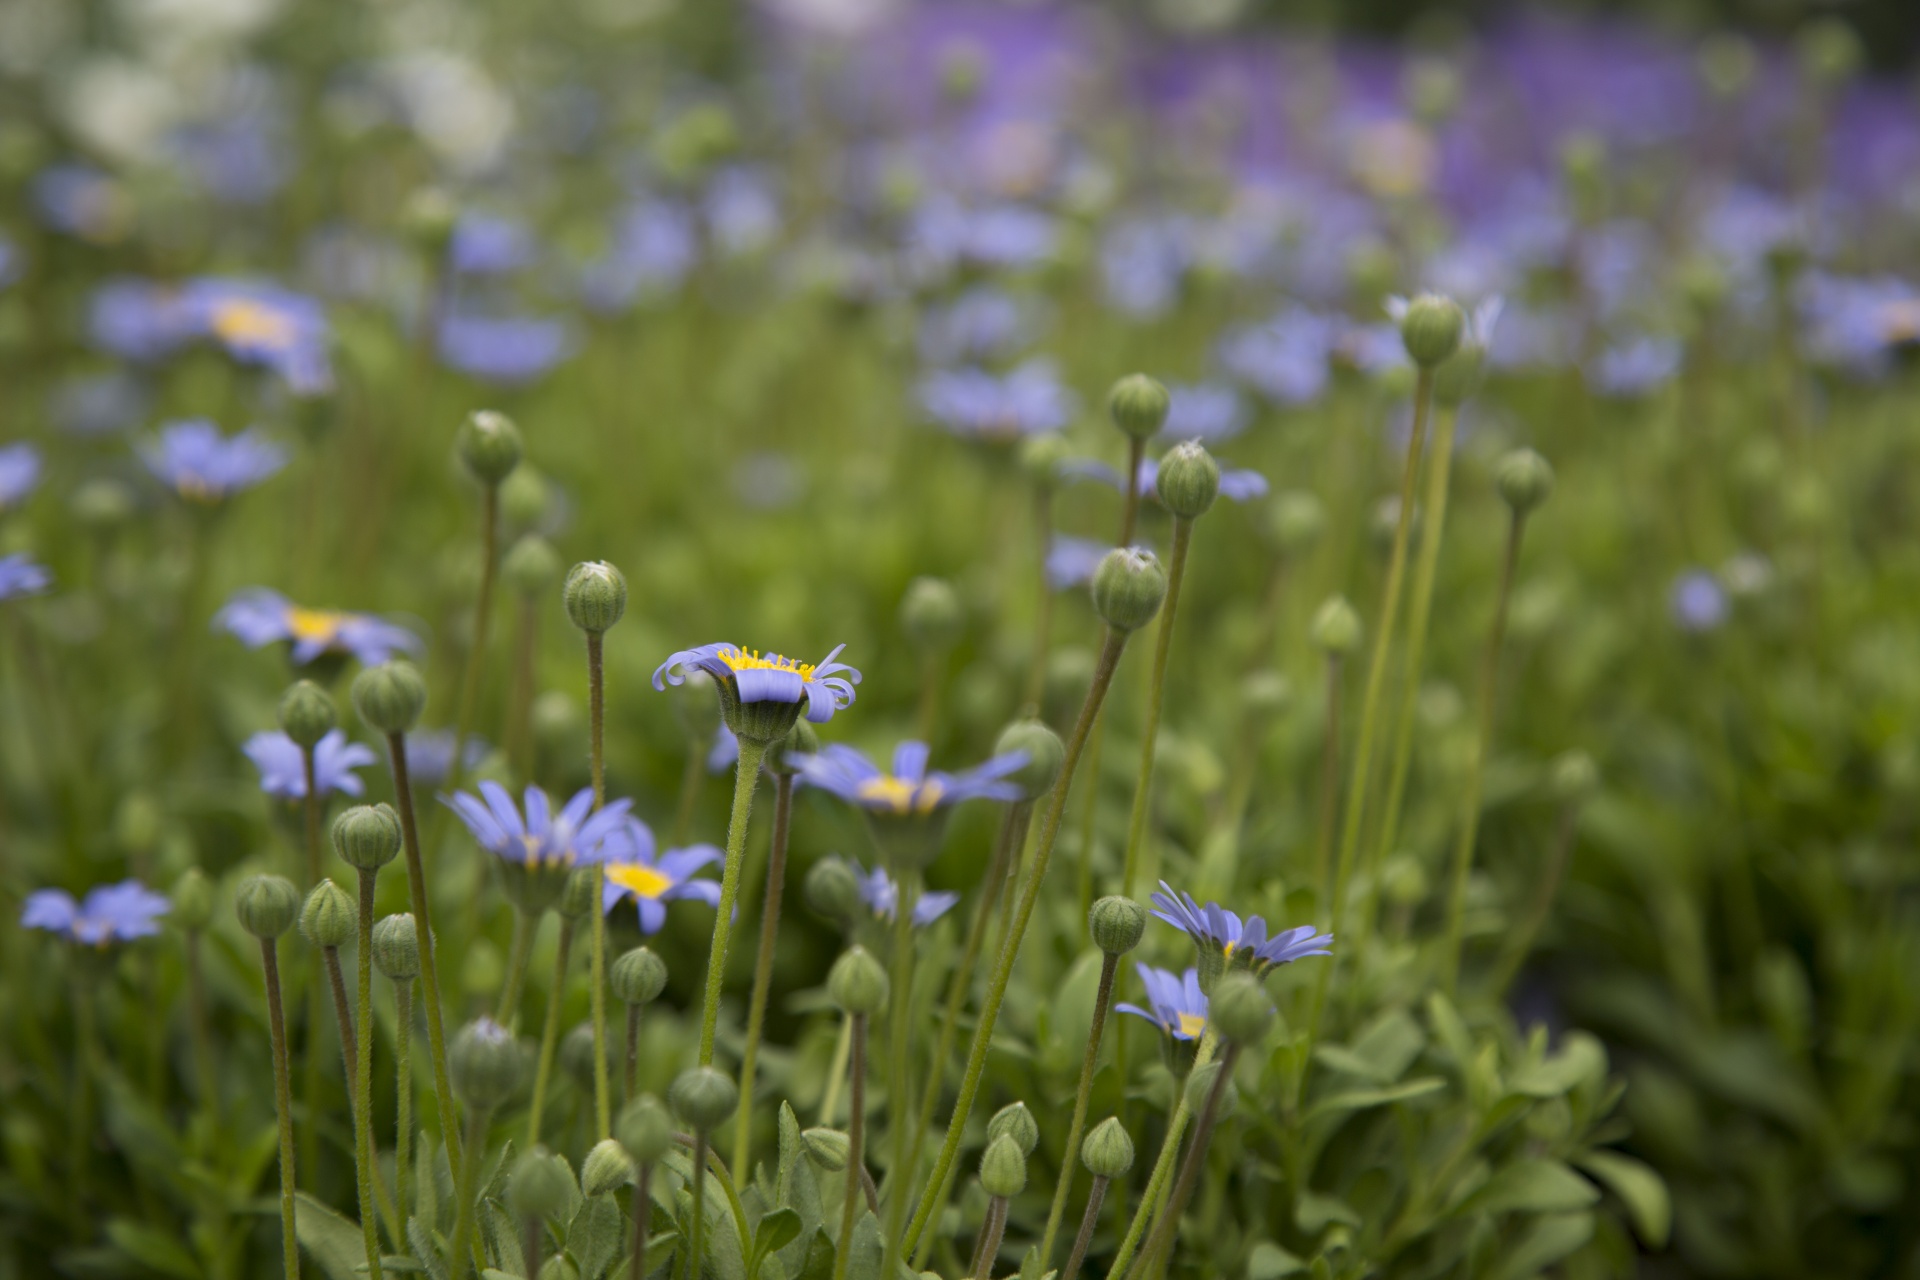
{"type": "Point", "coordinates": [1451, 1028]}
{"type": "Point", "coordinates": [425, 1248]}
{"type": "Point", "coordinates": [777, 1229]}
{"type": "Point", "coordinates": [1581, 1059]}
{"type": "Point", "coordinates": [332, 1242]}
{"type": "Point", "coordinates": [1268, 1261]}
{"type": "Point", "coordinates": [1389, 1045]}
{"type": "Point", "coordinates": [1361, 1099]}
{"type": "Point", "coordinates": [156, 1249]}
{"type": "Point", "coordinates": [863, 1256]}
{"type": "Point", "coordinates": [503, 1243]}
{"type": "Point", "coordinates": [1544, 1243]}
{"type": "Point", "coordinates": [789, 1152]}
{"type": "Point", "coordinates": [1533, 1186]}
{"type": "Point", "coordinates": [596, 1235]}
{"type": "Point", "coordinates": [819, 1258]}
{"type": "Point", "coordinates": [1313, 1212]}
{"type": "Point", "coordinates": [1640, 1189]}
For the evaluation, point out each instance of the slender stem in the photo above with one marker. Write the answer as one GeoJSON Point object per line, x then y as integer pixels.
{"type": "Point", "coordinates": [550, 1032]}
{"type": "Point", "coordinates": [1088, 1220]}
{"type": "Point", "coordinates": [530, 1233]}
{"type": "Point", "coordinates": [482, 616]}
{"type": "Point", "coordinates": [996, 1206]}
{"type": "Point", "coordinates": [642, 1209]}
{"type": "Point", "coordinates": [1156, 693]}
{"type": "Point", "coordinates": [461, 1251]}
{"type": "Point", "coordinates": [1433, 522]}
{"type": "Point", "coordinates": [763, 962]}
{"type": "Point", "coordinates": [856, 1142]}
{"type": "Point", "coordinates": [1169, 1223]}
{"type": "Point", "coordinates": [597, 707]}
{"type": "Point", "coordinates": [429, 968]}
{"type": "Point", "coordinates": [690, 774]}
{"type": "Point", "coordinates": [310, 805]}
{"type": "Point", "coordinates": [86, 1052]}
{"type": "Point", "coordinates": [403, 1087]}
{"type": "Point", "coordinates": [632, 1070]}
{"type": "Point", "coordinates": [1329, 783]}
{"type": "Point", "coordinates": [363, 1079]}
{"type": "Point", "coordinates": [1162, 1164]}
{"type": "Point", "coordinates": [1089, 815]}
{"type": "Point", "coordinates": [282, 1104]}
{"type": "Point", "coordinates": [519, 951]}
{"type": "Point", "coordinates": [1476, 763]}
{"type": "Point", "coordinates": [1130, 488]}
{"type": "Point", "coordinates": [1101, 1000]}
{"type": "Point", "coordinates": [342, 1015]}
{"type": "Point", "coordinates": [203, 1064]}
{"type": "Point", "coordinates": [990, 1244]}
{"type": "Point", "coordinates": [1043, 606]}
{"type": "Point", "coordinates": [746, 773]}
{"type": "Point", "coordinates": [836, 1072]}
{"type": "Point", "coordinates": [932, 671]}
{"type": "Point", "coordinates": [1521, 941]}
{"type": "Point", "coordinates": [696, 1250]}
{"type": "Point", "coordinates": [899, 1046]}
{"type": "Point", "coordinates": [519, 734]}
{"type": "Point", "coordinates": [1110, 651]}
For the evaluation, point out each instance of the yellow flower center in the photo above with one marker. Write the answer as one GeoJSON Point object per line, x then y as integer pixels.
{"type": "Point", "coordinates": [1191, 1025]}
{"type": "Point", "coordinates": [1900, 321]}
{"type": "Point", "coordinates": [314, 624]}
{"type": "Point", "coordinates": [242, 321]}
{"type": "Point", "coordinates": [750, 660]}
{"type": "Point", "coordinates": [196, 489]}
{"type": "Point", "coordinates": [900, 795]}
{"type": "Point", "coordinates": [639, 880]}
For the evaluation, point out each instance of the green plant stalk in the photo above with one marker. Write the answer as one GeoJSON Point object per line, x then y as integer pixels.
{"type": "Point", "coordinates": [1101, 1000]}
{"type": "Point", "coordinates": [349, 1063]}
{"type": "Point", "coordinates": [1156, 696]}
{"type": "Point", "coordinates": [519, 952]}
{"type": "Point", "coordinates": [933, 667]}
{"type": "Point", "coordinates": [203, 1061]}
{"type": "Point", "coordinates": [363, 1081]}
{"type": "Point", "coordinates": [80, 1133]}
{"type": "Point", "coordinates": [1043, 606]}
{"type": "Point", "coordinates": [403, 1087]}
{"type": "Point", "coordinates": [900, 1175]}
{"type": "Point", "coordinates": [596, 720]}
{"type": "Point", "coordinates": [482, 616]}
{"type": "Point", "coordinates": [642, 1208]}
{"type": "Point", "coordinates": [530, 1232]}
{"type": "Point", "coordinates": [763, 962]}
{"type": "Point", "coordinates": [1469, 829]}
{"type": "Point", "coordinates": [550, 1032]}
{"type": "Point", "coordinates": [282, 1104]}
{"type": "Point", "coordinates": [632, 1066]}
{"type": "Point", "coordinates": [1162, 1163]}
{"type": "Point", "coordinates": [429, 968]}
{"type": "Point", "coordinates": [1110, 651]}
{"type": "Point", "coordinates": [697, 1246]}
{"type": "Point", "coordinates": [1153, 1257]}
{"type": "Point", "coordinates": [746, 774]}
{"type": "Point", "coordinates": [1096, 1196]}
{"type": "Point", "coordinates": [1329, 782]}
{"type": "Point", "coordinates": [1089, 826]}
{"type": "Point", "coordinates": [519, 731]}
{"type": "Point", "coordinates": [312, 1068]}
{"type": "Point", "coordinates": [993, 1229]}
{"type": "Point", "coordinates": [830, 1099]}
{"type": "Point", "coordinates": [1130, 508]}
{"type": "Point", "coordinates": [461, 1251]}
{"type": "Point", "coordinates": [1419, 611]}
{"type": "Point", "coordinates": [1521, 941]}
{"type": "Point", "coordinates": [310, 805]}
{"type": "Point", "coordinates": [856, 1143]}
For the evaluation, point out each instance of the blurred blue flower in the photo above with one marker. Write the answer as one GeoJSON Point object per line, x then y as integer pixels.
{"type": "Point", "coordinates": [259, 617]}
{"type": "Point", "coordinates": [1206, 411]}
{"type": "Point", "coordinates": [1285, 359]}
{"type": "Point", "coordinates": [84, 202]}
{"type": "Point", "coordinates": [910, 788]}
{"type": "Point", "coordinates": [138, 320]}
{"type": "Point", "coordinates": [242, 160]}
{"type": "Point", "coordinates": [944, 234]}
{"type": "Point", "coordinates": [655, 247]}
{"type": "Point", "coordinates": [194, 460]}
{"type": "Point", "coordinates": [882, 896]}
{"type": "Point", "coordinates": [1071, 561]}
{"type": "Point", "coordinates": [976, 404]}
{"type": "Point", "coordinates": [1142, 261]}
{"type": "Point", "coordinates": [725, 750]}
{"type": "Point", "coordinates": [111, 913]}
{"type": "Point", "coordinates": [578, 833]}
{"type": "Point", "coordinates": [1857, 323]}
{"type": "Point", "coordinates": [98, 404]}
{"type": "Point", "coordinates": [505, 350]}
{"type": "Point", "coordinates": [1214, 927]}
{"type": "Point", "coordinates": [263, 324]}
{"type": "Point", "coordinates": [1635, 367]}
{"type": "Point", "coordinates": [430, 755]}
{"type": "Point", "coordinates": [1175, 1003]}
{"type": "Point", "coordinates": [19, 473]}
{"type": "Point", "coordinates": [484, 244]}
{"type": "Point", "coordinates": [633, 871]}
{"type": "Point", "coordinates": [20, 576]}
{"type": "Point", "coordinates": [283, 770]}
{"type": "Point", "coordinates": [984, 323]}
{"type": "Point", "coordinates": [10, 262]}
{"type": "Point", "coordinates": [772, 678]}
{"type": "Point", "coordinates": [1697, 601]}
{"type": "Point", "coordinates": [742, 212]}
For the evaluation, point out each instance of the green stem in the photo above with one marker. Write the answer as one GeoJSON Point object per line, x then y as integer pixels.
{"type": "Point", "coordinates": [1156, 693]}
{"type": "Point", "coordinates": [1088, 1220]}
{"type": "Point", "coordinates": [642, 1209]}
{"type": "Point", "coordinates": [696, 1250]}
{"type": "Point", "coordinates": [429, 968]}
{"type": "Point", "coordinates": [310, 804]}
{"type": "Point", "coordinates": [1329, 783]}
{"type": "Point", "coordinates": [282, 1104]}
{"type": "Point", "coordinates": [1476, 763]}
{"type": "Point", "coordinates": [519, 733]}
{"type": "Point", "coordinates": [363, 1080]}
{"type": "Point", "coordinates": [932, 669]}
{"type": "Point", "coordinates": [1089, 819]}
{"type": "Point", "coordinates": [631, 1075]}
{"type": "Point", "coordinates": [993, 1231]}
{"type": "Point", "coordinates": [507, 1012]}
{"type": "Point", "coordinates": [1043, 606]}
{"type": "Point", "coordinates": [1162, 1164]}
{"type": "Point", "coordinates": [462, 1250]}
{"type": "Point", "coordinates": [1110, 651]}
{"type": "Point", "coordinates": [203, 1062]}
{"type": "Point", "coordinates": [746, 774]}
{"type": "Point", "coordinates": [763, 962]}
{"type": "Point", "coordinates": [1169, 1224]}
{"type": "Point", "coordinates": [349, 1062]}
{"type": "Point", "coordinates": [550, 1031]}
{"type": "Point", "coordinates": [856, 1143]}
{"type": "Point", "coordinates": [1130, 487]}
{"type": "Point", "coordinates": [1521, 941]}
{"type": "Point", "coordinates": [899, 1044]}
{"type": "Point", "coordinates": [482, 615]}
{"type": "Point", "coordinates": [86, 1052]}
{"type": "Point", "coordinates": [836, 1072]}
{"type": "Point", "coordinates": [1101, 1000]}
{"type": "Point", "coordinates": [403, 1088]}
{"type": "Point", "coordinates": [597, 705]}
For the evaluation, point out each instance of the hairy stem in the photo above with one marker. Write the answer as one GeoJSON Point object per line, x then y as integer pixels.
{"type": "Point", "coordinates": [746, 774]}
{"type": "Point", "coordinates": [363, 1079]}
{"type": "Point", "coordinates": [282, 1105]}
{"type": "Point", "coordinates": [482, 616]}
{"type": "Point", "coordinates": [550, 1031]}
{"type": "Point", "coordinates": [856, 1142]}
{"type": "Point", "coordinates": [1169, 1224]}
{"type": "Point", "coordinates": [1101, 1000]}
{"type": "Point", "coordinates": [429, 968]}
{"type": "Point", "coordinates": [1162, 1164]}
{"type": "Point", "coordinates": [1088, 1220]}
{"type": "Point", "coordinates": [763, 962]}
{"type": "Point", "coordinates": [1156, 693]}
{"type": "Point", "coordinates": [597, 705]}
{"type": "Point", "coordinates": [507, 1012]}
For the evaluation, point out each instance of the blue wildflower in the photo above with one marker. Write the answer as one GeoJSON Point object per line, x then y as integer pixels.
{"type": "Point", "coordinates": [98, 404]}
{"type": "Point", "coordinates": [984, 323]}
{"type": "Point", "coordinates": [260, 617]}
{"type": "Point", "coordinates": [744, 677]}
{"type": "Point", "coordinates": [655, 246]}
{"type": "Point", "coordinates": [882, 895]}
{"type": "Point", "coordinates": [577, 834]}
{"type": "Point", "coordinates": [259, 323]}
{"type": "Point", "coordinates": [1286, 359]}
{"type": "Point", "coordinates": [1175, 1002]}
{"type": "Point", "coordinates": [1142, 262]}
{"type": "Point", "coordinates": [20, 576]}
{"type": "Point", "coordinates": [973, 403]}
{"type": "Point", "coordinates": [633, 871]}
{"type": "Point", "coordinates": [81, 201]}
{"type": "Point", "coordinates": [1856, 324]}
{"type": "Point", "coordinates": [138, 320]}
{"type": "Point", "coordinates": [486, 245]}
{"type": "Point", "coordinates": [1071, 560]}
{"type": "Point", "coordinates": [10, 260]}
{"type": "Point", "coordinates": [1697, 601]}
{"type": "Point", "coordinates": [19, 473]}
{"type": "Point", "coordinates": [724, 751]}
{"type": "Point", "coordinates": [505, 350]}
{"type": "Point", "coordinates": [283, 770]}
{"type": "Point", "coordinates": [910, 788]}
{"type": "Point", "coordinates": [1635, 367]}
{"type": "Point", "coordinates": [945, 234]}
{"type": "Point", "coordinates": [242, 160]}
{"type": "Point", "coordinates": [111, 913]}
{"type": "Point", "coordinates": [194, 460]}
{"type": "Point", "coordinates": [742, 212]}
{"type": "Point", "coordinates": [1208, 411]}
{"type": "Point", "coordinates": [430, 755]}
{"type": "Point", "coordinates": [1224, 939]}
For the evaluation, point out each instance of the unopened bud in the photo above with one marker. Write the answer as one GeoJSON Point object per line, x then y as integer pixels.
{"type": "Point", "coordinates": [541, 1185]}
{"type": "Point", "coordinates": [832, 890]}
{"type": "Point", "coordinates": [1003, 1169]}
{"type": "Point", "coordinates": [638, 977]}
{"type": "Point", "coordinates": [192, 899]}
{"type": "Point", "coordinates": [1016, 1122]}
{"type": "Point", "coordinates": [1128, 587]}
{"type": "Point", "coordinates": [607, 1168]}
{"type": "Point", "coordinates": [267, 905]}
{"type": "Point", "coordinates": [1430, 328]}
{"type": "Point", "coordinates": [329, 918]}
{"type": "Point", "coordinates": [1117, 925]}
{"type": "Point", "coordinates": [1336, 627]}
{"type": "Point", "coordinates": [1574, 777]}
{"type": "Point", "coordinates": [490, 446]}
{"type": "Point", "coordinates": [704, 1097]}
{"type": "Point", "coordinates": [485, 1063]}
{"type": "Point", "coordinates": [857, 983]}
{"type": "Point", "coordinates": [307, 713]}
{"type": "Point", "coordinates": [1296, 519]}
{"type": "Point", "coordinates": [1239, 1009]}
{"type": "Point", "coordinates": [644, 1129]}
{"type": "Point", "coordinates": [931, 614]}
{"type": "Point", "coordinates": [396, 947]}
{"type": "Point", "coordinates": [1107, 1151]}
{"type": "Point", "coordinates": [531, 565]}
{"type": "Point", "coordinates": [390, 697]}
{"type": "Point", "coordinates": [1525, 479]}
{"type": "Point", "coordinates": [1043, 749]}
{"type": "Point", "coordinates": [828, 1148]}
{"type": "Point", "coordinates": [595, 595]}
{"type": "Point", "coordinates": [1188, 480]}
{"type": "Point", "coordinates": [1138, 405]}
{"type": "Point", "coordinates": [367, 836]}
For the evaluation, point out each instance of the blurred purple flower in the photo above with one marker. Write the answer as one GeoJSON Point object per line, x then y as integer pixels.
{"type": "Point", "coordinates": [1697, 601]}
{"type": "Point", "coordinates": [979, 405]}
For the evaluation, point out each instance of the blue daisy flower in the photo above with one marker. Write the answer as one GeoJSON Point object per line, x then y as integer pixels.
{"type": "Point", "coordinates": [633, 871]}
{"type": "Point", "coordinates": [19, 473]}
{"type": "Point", "coordinates": [430, 755]}
{"type": "Point", "coordinates": [20, 576]}
{"type": "Point", "coordinates": [910, 788]}
{"type": "Point", "coordinates": [744, 678]}
{"type": "Point", "coordinates": [1206, 411]}
{"type": "Point", "coordinates": [194, 460]}
{"type": "Point", "coordinates": [260, 323]}
{"type": "Point", "coordinates": [1225, 939]}
{"type": "Point", "coordinates": [282, 764]}
{"type": "Point", "coordinates": [1071, 561]}
{"type": "Point", "coordinates": [111, 913]}
{"type": "Point", "coordinates": [1175, 1002]}
{"type": "Point", "coordinates": [543, 839]}
{"type": "Point", "coordinates": [1029, 401]}
{"type": "Point", "coordinates": [505, 350]}
{"type": "Point", "coordinates": [882, 895]}
{"type": "Point", "coordinates": [1236, 485]}
{"type": "Point", "coordinates": [260, 617]}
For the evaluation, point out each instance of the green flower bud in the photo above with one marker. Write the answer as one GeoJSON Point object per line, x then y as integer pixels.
{"type": "Point", "coordinates": [306, 713]}
{"type": "Point", "coordinates": [1265, 693]}
{"type": "Point", "coordinates": [1117, 924]}
{"type": "Point", "coordinates": [832, 890]}
{"type": "Point", "coordinates": [595, 595]}
{"type": "Point", "coordinates": [645, 1129]}
{"type": "Point", "coordinates": [524, 496]}
{"type": "Point", "coordinates": [704, 1097]}
{"type": "Point", "coordinates": [828, 1148]}
{"type": "Point", "coordinates": [1003, 1169]}
{"type": "Point", "coordinates": [783, 757]}
{"type": "Point", "coordinates": [607, 1168]}
{"type": "Point", "coordinates": [1430, 329]}
{"type": "Point", "coordinates": [1524, 479]}
{"type": "Point", "coordinates": [367, 836]}
{"type": "Point", "coordinates": [1107, 1151]}
{"type": "Point", "coordinates": [1188, 480]}
{"type": "Point", "coordinates": [931, 614]}
{"type": "Point", "coordinates": [1295, 520]}
{"type": "Point", "coordinates": [330, 918]}
{"type": "Point", "coordinates": [396, 947]}
{"type": "Point", "coordinates": [1385, 525]}
{"type": "Point", "coordinates": [1572, 778]}
{"type": "Point", "coordinates": [541, 1185]}
{"type": "Point", "coordinates": [267, 905]}
{"type": "Point", "coordinates": [531, 565]}
{"type": "Point", "coordinates": [1138, 405]}
{"type": "Point", "coordinates": [1041, 457]}
{"type": "Point", "coordinates": [578, 895]}
{"type": "Point", "coordinates": [490, 446]}
{"type": "Point", "coordinates": [1239, 1009]}
{"type": "Point", "coordinates": [857, 983]}
{"type": "Point", "coordinates": [1044, 751]}
{"type": "Point", "coordinates": [1336, 627]}
{"type": "Point", "coordinates": [532, 887]}
{"type": "Point", "coordinates": [577, 1053]}
{"type": "Point", "coordinates": [1016, 1122]}
{"type": "Point", "coordinates": [389, 697]}
{"type": "Point", "coordinates": [192, 899]}
{"type": "Point", "coordinates": [485, 1063]}
{"type": "Point", "coordinates": [638, 977]}
{"type": "Point", "coordinates": [1128, 588]}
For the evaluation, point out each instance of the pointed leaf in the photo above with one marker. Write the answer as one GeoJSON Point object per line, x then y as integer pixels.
{"type": "Point", "coordinates": [332, 1242]}
{"type": "Point", "coordinates": [776, 1230]}
{"type": "Point", "coordinates": [1361, 1099]}
{"type": "Point", "coordinates": [1533, 1186]}
{"type": "Point", "coordinates": [1544, 1243]}
{"type": "Point", "coordinates": [596, 1235]}
{"type": "Point", "coordinates": [790, 1151]}
{"type": "Point", "coordinates": [426, 1248]}
{"type": "Point", "coordinates": [1268, 1261]}
{"type": "Point", "coordinates": [155, 1249]}
{"type": "Point", "coordinates": [1641, 1189]}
